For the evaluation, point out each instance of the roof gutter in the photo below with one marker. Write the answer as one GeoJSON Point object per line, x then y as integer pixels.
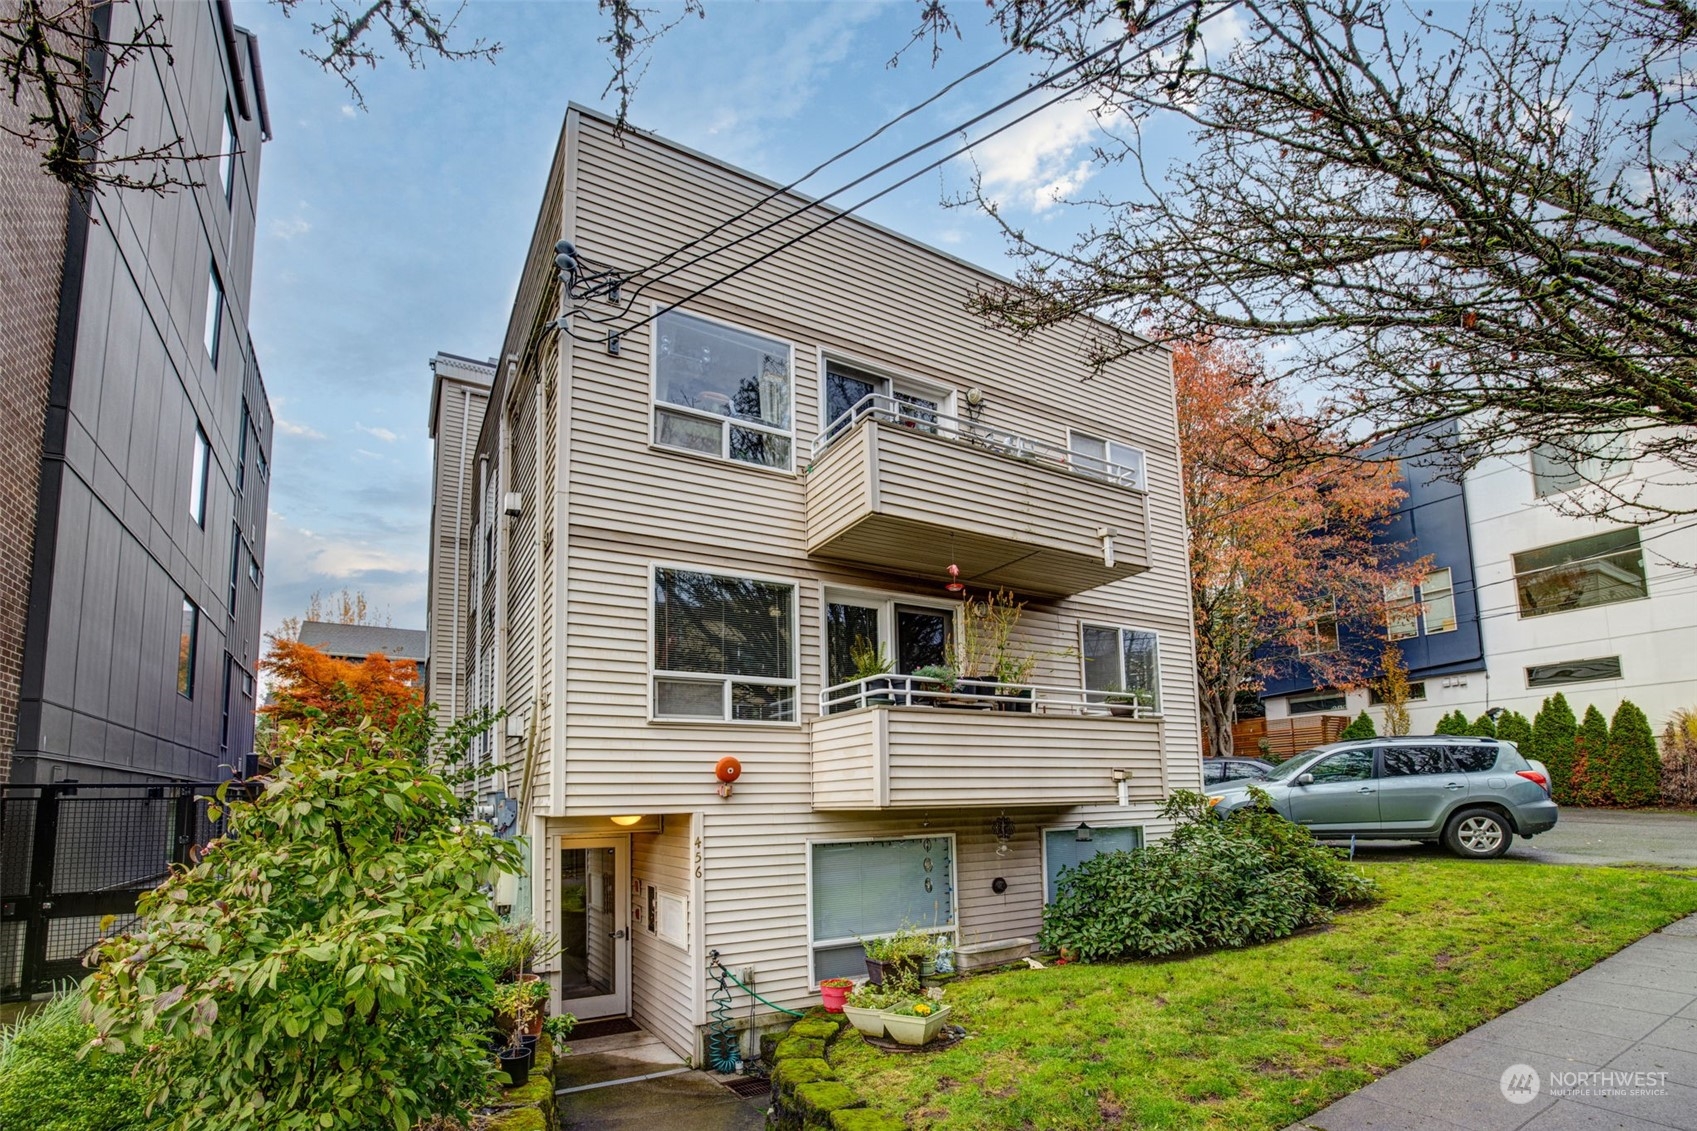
{"type": "Point", "coordinates": [227, 24]}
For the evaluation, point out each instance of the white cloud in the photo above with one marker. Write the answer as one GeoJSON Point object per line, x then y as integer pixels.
{"type": "Point", "coordinates": [290, 228]}
{"type": "Point", "coordinates": [1033, 164]}
{"type": "Point", "coordinates": [349, 111]}
{"type": "Point", "coordinates": [366, 453]}
{"type": "Point", "coordinates": [380, 433]}
{"type": "Point", "coordinates": [290, 428]}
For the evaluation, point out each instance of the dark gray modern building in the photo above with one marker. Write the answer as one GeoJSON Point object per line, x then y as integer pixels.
{"type": "Point", "coordinates": [141, 427]}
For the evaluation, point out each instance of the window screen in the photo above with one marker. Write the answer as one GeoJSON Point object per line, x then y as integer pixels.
{"type": "Point", "coordinates": [1062, 849]}
{"type": "Point", "coordinates": [874, 887]}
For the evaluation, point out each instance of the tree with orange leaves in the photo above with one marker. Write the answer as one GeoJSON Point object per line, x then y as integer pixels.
{"type": "Point", "coordinates": [1279, 557]}
{"type": "Point", "coordinates": [307, 684]}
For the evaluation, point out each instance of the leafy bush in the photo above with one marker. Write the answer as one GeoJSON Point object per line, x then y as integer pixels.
{"type": "Point", "coordinates": [1553, 732]}
{"type": "Point", "coordinates": [317, 969]}
{"type": "Point", "coordinates": [1635, 769]}
{"type": "Point", "coordinates": [1589, 781]}
{"type": "Point", "coordinates": [1454, 723]}
{"type": "Point", "coordinates": [1213, 882]}
{"type": "Point", "coordinates": [1512, 726]}
{"type": "Point", "coordinates": [1362, 727]}
{"type": "Point", "coordinates": [1679, 759]}
{"type": "Point", "coordinates": [45, 1087]}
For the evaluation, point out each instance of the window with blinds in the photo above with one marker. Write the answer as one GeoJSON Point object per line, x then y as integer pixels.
{"type": "Point", "coordinates": [1062, 849]}
{"type": "Point", "coordinates": [724, 648]}
{"type": "Point", "coordinates": [864, 888]}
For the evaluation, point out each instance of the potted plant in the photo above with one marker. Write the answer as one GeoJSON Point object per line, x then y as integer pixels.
{"type": "Point", "coordinates": [513, 952]}
{"type": "Point", "coordinates": [895, 959]}
{"type": "Point", "coordinates": [865, 1005]}
{"type": "Point", "coordinates": [515, 1059]}
{"type": "Point", "coordinates": [915, 1022]}
{"type": "Point", "coordinates": [943, 676]}
{"type": "Point", "coordinates": [1126, 704]}
{"type": "Point", "coordinates": [832, 991]}
{"type": "Point", "coordinates": [871, 661]}
{"type": "Point", "coordinates": [519, 1006]}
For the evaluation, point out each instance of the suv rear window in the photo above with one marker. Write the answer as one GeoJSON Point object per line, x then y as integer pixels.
{"type": "Point", "coordinates": [1473, 759]}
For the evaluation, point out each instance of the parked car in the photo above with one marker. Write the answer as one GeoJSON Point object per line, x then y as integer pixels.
{"type": "Point", "coordinates": [1473, 794]}
{"type": "Point", "coordinates": [1218, 770]}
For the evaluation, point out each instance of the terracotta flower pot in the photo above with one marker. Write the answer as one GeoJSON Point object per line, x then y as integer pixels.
{"type": "Point", "coordinates": [833, 996]}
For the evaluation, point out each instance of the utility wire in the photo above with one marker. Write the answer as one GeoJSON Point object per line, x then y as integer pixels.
{"type": "Point", "coordinates": [1046, 81]}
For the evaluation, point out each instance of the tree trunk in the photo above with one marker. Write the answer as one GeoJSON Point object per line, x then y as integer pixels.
{"type": "Point", "coordinates": [1219, 712]}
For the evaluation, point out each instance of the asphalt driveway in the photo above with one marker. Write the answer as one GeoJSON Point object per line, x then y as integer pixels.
{"type": "Point", "coordinates": [1591, 836]}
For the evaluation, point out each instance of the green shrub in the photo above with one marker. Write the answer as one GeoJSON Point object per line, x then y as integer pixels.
{"type": "Point", "coordinates": [1679, 759]}
{"type": "Point", "coordinates": [1362, 727]}
{"type": "Point", "coordinates": [1482, 727]}
{"type": "Point", "coordinates": [318, 969]}
{"type": "Point", "coordinates": [1588, 783]}
{"type": "Point", "coordinates": [1635, 769]}
{"type": "Point", "coordinates": [43, 1086]}
{"type": "Point", "coordinates": [1553, 732]}
{"type": "Point", "coordinates": [1512, 726]}
{"type": "Point", "coordinates": [1454, 723]}
{"type": "Point", "coordinates": [1250, 877]}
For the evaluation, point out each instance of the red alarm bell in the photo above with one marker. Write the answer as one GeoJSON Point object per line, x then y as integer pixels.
{"type": "Point", "coordinates": [728, 770]}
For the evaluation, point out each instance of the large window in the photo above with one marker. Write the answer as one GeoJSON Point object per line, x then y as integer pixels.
{"type": "Point", "coordinates": [1107, 459]}
{"type": "Point", "coordinates": [1062, 849]}
{"type": "Point", "coordinates": [199, 469]}
{"type": "Point", "coordinates": [909, 636]}
{"type": "Point", "coordinates": [864, 888]}
{"type": "Point", "coordinates": [1562, 468]}
{"type": "Point", "coordinates": [724, 648]}
{"type": "Point", "coordinates": [187, 644]}
{"type": "Point", "coordinates": [1437, 600]}
{"type": "Point", "coordinates": [721, 391]}
{"type": "Point", "coordinates": [214, 312]}
{"type": "Point", "coordinates": [1319, 634]}
{"type": "Point", "coordinates": [1123, 661]}
{"type": "Point", "coordinates": [1315, 704]}
{"type": "Point", "coordinates": [1402, 619]}
{"type": "Point", "coordinates": [1598, 570]}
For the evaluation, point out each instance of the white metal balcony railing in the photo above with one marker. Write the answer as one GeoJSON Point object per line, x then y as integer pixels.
{"type": "Point", "coordinates": [896, 690]}
{"type": "Point", "coordinates": [929, 422]}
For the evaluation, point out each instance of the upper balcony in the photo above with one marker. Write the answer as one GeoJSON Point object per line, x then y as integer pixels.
{"type": "Point", "coordinates": [910, 491]}
{"type": "Point", "coordinates": [907, 742]}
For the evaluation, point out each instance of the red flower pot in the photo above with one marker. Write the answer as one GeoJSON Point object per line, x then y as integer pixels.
{"type": "Point", "coordinates": [834, 995]}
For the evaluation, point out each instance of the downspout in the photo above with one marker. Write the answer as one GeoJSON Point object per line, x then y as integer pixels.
{"type": "Point", "coordinates": [503, 560]}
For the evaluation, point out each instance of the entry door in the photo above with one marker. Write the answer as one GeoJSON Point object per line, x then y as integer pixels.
{"type": "Point", "coordinates": [595, 926]}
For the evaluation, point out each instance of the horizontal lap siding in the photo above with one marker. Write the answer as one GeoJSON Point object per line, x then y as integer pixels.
{"type": "Point", "coordinates": [662, 974]}
{"type": "Point", "coordinates": [630, 504]}
{"type": "Point", "coordinates": [845, 761]}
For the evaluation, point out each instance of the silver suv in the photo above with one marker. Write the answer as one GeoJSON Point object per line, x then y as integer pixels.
{"type": "Point", "coordinates": [1474, 794]}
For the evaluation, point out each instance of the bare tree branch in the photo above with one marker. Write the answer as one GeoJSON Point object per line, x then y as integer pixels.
{"type": "Point", "coordinates": [415, 28]}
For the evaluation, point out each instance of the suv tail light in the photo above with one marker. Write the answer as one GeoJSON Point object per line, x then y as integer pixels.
{"type": "Point", "coordinates": [1534, 775]}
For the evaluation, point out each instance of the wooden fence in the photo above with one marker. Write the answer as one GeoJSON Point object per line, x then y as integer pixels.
{"type": "Point", "coordinates": [1284, 737]}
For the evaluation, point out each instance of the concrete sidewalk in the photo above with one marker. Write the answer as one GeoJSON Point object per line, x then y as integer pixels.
{"type": "Point", "coordinates": [632, 1082]}
{"type": "Point", "coordinates": [1615, 1047]}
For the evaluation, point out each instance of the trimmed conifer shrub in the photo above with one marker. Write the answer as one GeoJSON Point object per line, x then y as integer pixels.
{"type": "Point", "coordinates": [1589, 783]}
{"type": "Point", "coordinates": [1679, 759]}
{"type": "Point", "coordinates": [1454, 723]}
{"type": "Point", "coordinates": [1635, 769]}
{"type": "Point", "coordinates": [1512, 726]}
{"type": "Point", "coordinates": [1482, 727]}
{"type": "Point", "coordinates": [1362, 727]}
{"type": "Point", "coordinates": [1552, 739]}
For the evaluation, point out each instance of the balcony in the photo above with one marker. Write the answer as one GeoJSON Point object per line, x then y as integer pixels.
{"type": "Point", "coordinates": [911, 492]}
{"type": "Point", "coordinates": [903, 742]}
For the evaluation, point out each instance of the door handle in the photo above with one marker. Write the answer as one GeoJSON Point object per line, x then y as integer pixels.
{"type": "Point", "coordinates": [1365, 789]}
{"type": "Point", "coordinates": [1452, 785]}
{"type": "Point", "coordinates": [618, 934]}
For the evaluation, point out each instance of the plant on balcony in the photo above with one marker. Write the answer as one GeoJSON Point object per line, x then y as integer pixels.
{"type": "Point", "coordinates": [1127, 704]}
{"type": "Point", "coordinates": [943, 675]}
{"type": "Point", "coordinates": [870, 660]}
{"type": "Point", "coordinates": [984, 649]}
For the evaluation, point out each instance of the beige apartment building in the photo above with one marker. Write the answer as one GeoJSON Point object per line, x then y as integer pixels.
{"type": "Point", "coordinates": [700, 500]}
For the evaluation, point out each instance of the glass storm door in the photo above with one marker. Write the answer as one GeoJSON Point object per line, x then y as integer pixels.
{"type": "Point", "coordinates": [595, 926]}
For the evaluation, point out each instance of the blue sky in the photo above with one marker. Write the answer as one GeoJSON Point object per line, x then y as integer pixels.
{"type": "Point", "coordinates": [390, 233]}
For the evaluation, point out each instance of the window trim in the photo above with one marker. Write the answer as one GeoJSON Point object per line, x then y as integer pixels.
{"type": "Point", "coordinates": [814, 944]}
{"type": "Point", "coordinates": [725, 719]}
{"type": "Point", "coordinates": [657, 311]}
{"type": "Point", "coordinates": [1043, 847]}
{"type": "Point", "coordinates": [926, 386]}
{"type": "Point", "coordinates": [1142, 483]}
{"type": "Point", "coordinates": [1122, 629]}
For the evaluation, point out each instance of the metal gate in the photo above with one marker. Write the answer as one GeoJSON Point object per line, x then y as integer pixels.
{"type": "Point", "coordinates": [73, 853]}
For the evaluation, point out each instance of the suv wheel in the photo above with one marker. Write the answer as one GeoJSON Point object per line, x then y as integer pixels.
{"type": "Point", "coordinates": [1478, 834]}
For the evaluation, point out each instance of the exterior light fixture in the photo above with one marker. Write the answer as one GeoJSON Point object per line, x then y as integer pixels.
{"type": "Point", "coordinates": [1496, 713]}
{"type": "Point", "coordinates": [1084, 834]}
{"type": "Point", "coordinates": [974, 402]}
{"type": "Point", "coordinates": [1002, 827]}
{"type": "Point", "coordinates": [626, 821]}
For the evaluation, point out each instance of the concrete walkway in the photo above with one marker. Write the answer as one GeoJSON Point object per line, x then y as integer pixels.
{"type": "Point", "coordinates": [1615, 1048]}
{"type": "Point", "coordinates": [632, 1081]}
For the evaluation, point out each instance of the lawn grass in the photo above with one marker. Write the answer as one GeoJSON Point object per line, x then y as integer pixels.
{"type": "Point", "coordinates": [1260, 1037]}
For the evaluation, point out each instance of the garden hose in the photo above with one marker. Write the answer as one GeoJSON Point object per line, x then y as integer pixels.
{"type": "Point", "coordinates": [723, 1051]}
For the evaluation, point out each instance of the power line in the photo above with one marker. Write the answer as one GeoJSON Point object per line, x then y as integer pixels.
{"type": "Point", "coordinates": [812, 204]}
